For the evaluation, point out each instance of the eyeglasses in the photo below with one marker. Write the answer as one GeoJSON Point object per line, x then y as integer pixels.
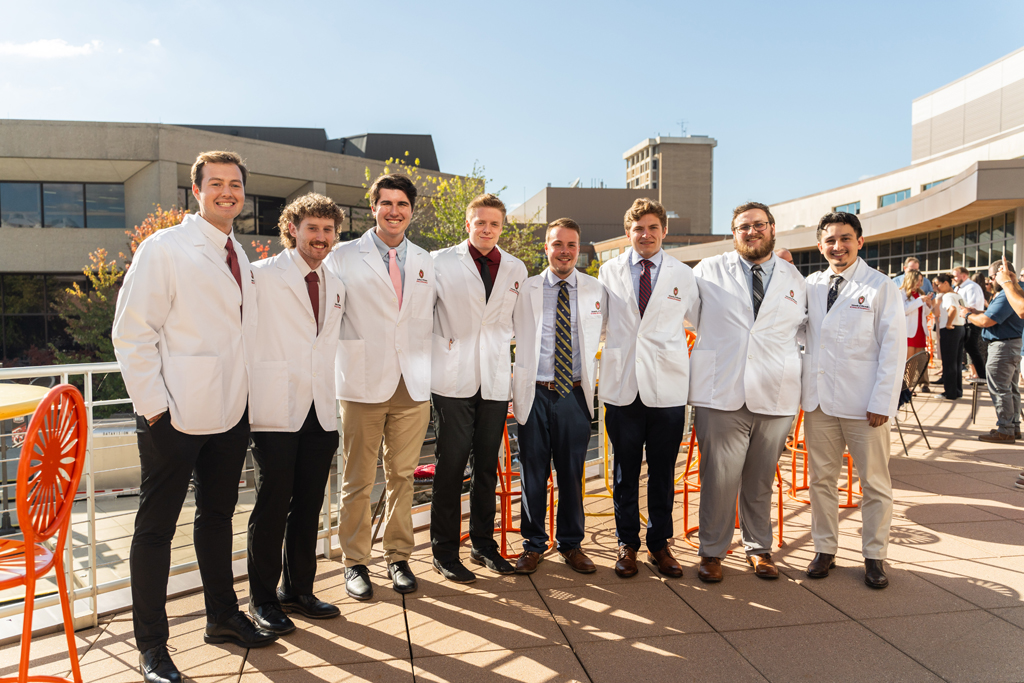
{"type": "Point", "coordinates": [760, 226]}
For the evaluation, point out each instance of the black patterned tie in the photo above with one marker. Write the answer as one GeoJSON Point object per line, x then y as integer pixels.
{"type": "Point", "coordinates": [758, 288]}
{"type": "Point", "coordinates": [563, 342]}
{"type": "Point", "coordinates": [833, 291]}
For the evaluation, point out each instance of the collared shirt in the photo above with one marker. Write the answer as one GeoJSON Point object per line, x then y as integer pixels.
{"type": "Point", "coordinates": [546, 364]}
{"type": "Point", "coordinates": [305, 270]}
{"type": "Point", "coordinates": [493, 260]}
{"type": "Point", "coordinates": [215, 235]}
{"type": "Point", "coordinates": [1008, 324]}
{"type": "Point", "coordinates": [972, 294]}
{"type": "Point", "coordinates": [847, 275]}
{"type": "Point", "coordinates": [926, 283]}
{"type": "Point", "coordinates": [636, 270]}
{"type": "Point", "coordinates": [400, 252]}
{"type": "Point", "coordinates": [768, 267]}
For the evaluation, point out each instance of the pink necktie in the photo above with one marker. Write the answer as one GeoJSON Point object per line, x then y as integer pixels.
{"type": "Point", "coordinates": [396, 275]}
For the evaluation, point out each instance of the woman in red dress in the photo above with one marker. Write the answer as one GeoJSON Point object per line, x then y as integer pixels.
{"type": "Point", "coordinates": [916, 307]}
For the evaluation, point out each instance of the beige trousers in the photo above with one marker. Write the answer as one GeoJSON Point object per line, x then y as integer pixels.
{"type": "Point", "coordinates": [402, 422]}
{"type": "Point", "coordinates": [827, 438]}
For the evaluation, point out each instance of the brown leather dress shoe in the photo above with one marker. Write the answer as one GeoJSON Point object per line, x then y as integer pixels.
{"type": "Point", "coordinates": [710, 569]}
{"type": "Point", "coordinates": [626, 565]}
{"type": "Point", "coordinates": [819, 566]}
{"type": "Point", "coordinates": [996, 436]}
{"type": "Point", "coordinates": [528, 561]}
{"type": "Point", "coordinates": [763, 566]}
{"type": "Point", "coordinates": [579, 561]}
{"type": "Point", "coordinates": [665, 563]}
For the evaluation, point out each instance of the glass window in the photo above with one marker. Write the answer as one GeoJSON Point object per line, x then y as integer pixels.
{"type": "Point", "coordinates": [916, 246]}
{"type": "Point", "coordinates": [20, 205]}
{"type": "Point", "coordinates": [852, 207]}
{"type": "Point", "coordinates": [946, 239]}
{"type": "Point", "coordinates": [104, 206]}
{"type": "Point", "coordinates": [245, 224]}
{"type": "Point", "coordinates": [883, 248]}
{"type": "Point", "coordinates": [1008, 226]}
{"type": "Point", "coordinates": [63, 205]}
{"type": "Point", "coordinates": [872, 251]}
{"type": "Point", "coordinates": [182, 198]}
{"type": "Point", "coordinates": [928, 186]}
{"type": "Point", "coordinates": [958, 237]}
{"type": "Point", "coordinates": [970, 257]}
{"type": "Point", "coordinates": [982, 257]}
{"type": "Point", "coordinates": [997, 227]}
{"type": "Point", "coordinates": [896, 247]}
{"type": "Point", "coordinates": [21, 333]}
{"type": "Point", "coordinates": [984, 231]}
{"type": "Point", "coordinates": [944, 260]}
{"type": "Point", "coordinates": [971, 233]}
{"type": "Point", "coordinates": [268, 212]}
{"type": "Point", "coordinates": [893, 197]}
{"type": "Point", "coordinates": [933, 241]}
{"type": "Point", "coordinates": [24, 294]}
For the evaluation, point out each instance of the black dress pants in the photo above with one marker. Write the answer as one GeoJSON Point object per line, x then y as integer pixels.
{"type": "Point", "coordinates": [976, 348]}
{"type": "Point", "coordinates": [951, 344]}
{"type": "Point", "coordinates": [169, 458]}
{"type": "Point", "coordinates": [469, 430]}
{"type": "Point", "coordinates": [556, 431]}
{"type": "Point", "coordinates": [661, 429]}
{"type": "Point", "coordinates": [293, 468]}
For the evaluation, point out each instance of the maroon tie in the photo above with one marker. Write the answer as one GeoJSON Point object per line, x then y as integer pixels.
{"type": "Point", "coordinates": [233, 265]}
{"type": "Point", "coordinates": [313, 287]}
{"type": "Point", "coordinates": [645, 285]}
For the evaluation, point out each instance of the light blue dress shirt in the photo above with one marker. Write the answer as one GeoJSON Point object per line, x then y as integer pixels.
{"type": "Point", "coordinates": [546, 363]}
{"type": "Point", "coordinates": [636, 270]}
{"type": "Point", "coordinates": [768, 267]}
{"type": "Point", "coordinates": [400, 252]}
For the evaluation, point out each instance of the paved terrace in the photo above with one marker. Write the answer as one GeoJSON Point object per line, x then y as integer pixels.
{"type": "Point", "coordinates": [954, 610]}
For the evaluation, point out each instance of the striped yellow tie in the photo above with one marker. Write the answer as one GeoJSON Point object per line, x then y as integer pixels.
{"type": "Point", "coordinates": [563, 342]}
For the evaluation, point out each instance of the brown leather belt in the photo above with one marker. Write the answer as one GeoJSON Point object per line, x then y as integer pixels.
{"type": "Point", "coordinates": [551, 386]}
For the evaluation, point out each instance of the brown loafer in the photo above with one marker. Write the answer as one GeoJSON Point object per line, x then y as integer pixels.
{"type": "Point", "coordinates": [710, 569]}
{"type": "Point", "coordinates": [763, 566]}
{"type": "Point", "coordinates": [665, 563]}
{"type": "Point", "coordinates": [626, 564]}
{"type": "Point", "coordinates": [996, 436]}
{"type": "Point", "coordinates": [819, 566]}
{"type": "Point", "coordinates": [578, 560]}
{"type": "Point", "coordinates": [528, 561]}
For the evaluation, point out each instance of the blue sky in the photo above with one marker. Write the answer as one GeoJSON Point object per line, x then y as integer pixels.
{"type": "Point", "coordinates": [800, 96]}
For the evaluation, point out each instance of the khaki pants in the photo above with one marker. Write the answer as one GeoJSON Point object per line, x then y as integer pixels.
{"type": "Point", "coordinates": [827, 438]}
{"type": "Point", "coordinates": [402, 422]}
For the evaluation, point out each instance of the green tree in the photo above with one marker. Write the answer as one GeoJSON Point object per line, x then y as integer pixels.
{"type": "Point", "coordinates": [593, 268]}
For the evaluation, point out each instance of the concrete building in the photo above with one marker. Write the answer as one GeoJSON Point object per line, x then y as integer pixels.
{"type": "Point", "coordinates": [680, 171]}
{"type": "Point", "coordinates": [959, 202]}
{"type": "Point", "coordinates": [68, 188]}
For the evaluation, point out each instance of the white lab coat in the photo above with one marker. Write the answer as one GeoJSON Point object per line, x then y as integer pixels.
{"type": "Point", "coordinates": [178, 337]}
{"type": "Point", "coordinates": [648, 355]}
{"type": "Point", "coordinates": [472, 334]}
{"type": "Point", "coordinates": [293, 365]}
{"type": "Point", "coordinates": [856, 353]}
{"type": "Point", "coordinates": [528, 321]}
{"type": "Point", "coordinates": [738, 360]}
{"type": "Point", "coordinates": [381, 344]}
{"type": "Point", "coordinates": [911, 306]}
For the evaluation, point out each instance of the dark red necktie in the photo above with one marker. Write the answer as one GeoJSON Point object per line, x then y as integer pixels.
{"type": "Point", "coordinates": [645, 285]}
{"type": "Point", "coordinates": [313, 287]}
{"type": "Point", "coordinates": [233, 265]}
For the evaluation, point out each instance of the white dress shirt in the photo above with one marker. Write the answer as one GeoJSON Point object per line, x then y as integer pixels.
{"type": "Point", "coordinates": [546, 364]}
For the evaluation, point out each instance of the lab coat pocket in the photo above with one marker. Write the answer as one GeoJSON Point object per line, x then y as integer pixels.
{"type": "Point", "coordinates": [702, 375]}
{"type": "Point", "coordinates": [611, 368]}
{"type": "Point", "coordinates": [444, 364]}
{"type": "Point", "coordinates": [351, 362]}
{"type": "Point", "coordinates": [789, 392]}
{"type": "Point", "coordinates": [197, 389]}
{"type": "Point", "coordinates": [673, 375]}
{"type": "Point", "coordinates": [271, 399]}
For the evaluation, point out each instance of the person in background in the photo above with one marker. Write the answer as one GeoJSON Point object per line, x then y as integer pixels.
{"type": "Point", "coordinates": [916, 307]}
{"type": "Point", "coordinates": [974, 298]}
{"type": "Point", "coordinates": [986, 287]}
{"type": "Point", "coordinates": [784, 254]}
{"type": "Point", "coordinates": [912, 263]}
{"type": "Point", "coordinates": [951, 336]}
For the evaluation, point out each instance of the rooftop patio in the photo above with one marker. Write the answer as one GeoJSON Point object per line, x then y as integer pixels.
{"type": "Point", "coordinates": [954, 610]}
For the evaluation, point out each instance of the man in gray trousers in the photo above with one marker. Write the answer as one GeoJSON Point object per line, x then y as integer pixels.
{"type": "Point", "coordinates": [745, 382]}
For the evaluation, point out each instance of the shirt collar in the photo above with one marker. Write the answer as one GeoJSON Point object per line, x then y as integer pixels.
{"type": "Point", "coordinates": [635, 257]}
{"type": "Point", "coordinates": [494, 256]}
{"type": "Point", "coordinates": [552, 280]}
{"type": "Point", "coordinates": [213, 234]}
{"type": "Point", "coordinates": [304, 268]}
{"type": "Point", "coordinates": [847, 274]}
{"type": "Point", "coordinates": [766, 266]}
{"type": "Point", "coordinates": [384, 249]}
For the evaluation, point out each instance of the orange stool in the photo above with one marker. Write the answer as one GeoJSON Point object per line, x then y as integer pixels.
{"type": "Point", "coordinates": [798, 445]}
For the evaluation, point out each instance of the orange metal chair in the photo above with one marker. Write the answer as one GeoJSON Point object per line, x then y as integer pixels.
{"type": "Point", "coordinates": [797, 445]}
{"type": "Point", "coordinates": [52, 460]}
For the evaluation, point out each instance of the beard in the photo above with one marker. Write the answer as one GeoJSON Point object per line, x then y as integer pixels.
{"type": "Point", "coordinates": [755, 253]}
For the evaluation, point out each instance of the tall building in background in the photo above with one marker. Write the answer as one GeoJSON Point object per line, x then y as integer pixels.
{"type": "Point", "coordinates": [679, 171]}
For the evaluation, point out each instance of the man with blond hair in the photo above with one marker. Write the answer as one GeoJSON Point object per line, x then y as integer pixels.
{"type": "Point", "coordinates": [295, 431]}
{"type": "Point", "coordinates": [644, 381]}
{"type": "Point", "coordinates": [477, 285]}
{"type": "Point", "coordinates": [184, 332]}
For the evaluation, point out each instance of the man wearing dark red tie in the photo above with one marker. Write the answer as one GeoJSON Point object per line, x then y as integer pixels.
{"type": "Point", "coordinates": [294, 423]}
{"type": "Point", "coordinates": [184, 330]}
{"type": "Point", "coordinates": [644, 381]}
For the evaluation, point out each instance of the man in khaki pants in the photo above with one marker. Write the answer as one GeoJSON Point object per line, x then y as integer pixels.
{"type": "Point", "coordinates": [383, 380]}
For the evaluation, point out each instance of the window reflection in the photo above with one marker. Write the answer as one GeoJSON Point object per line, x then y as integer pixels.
{"type": "Point", "coordinates": [63, 205]}
{"type": "Point", "coordinates": [245, 224]}
{"type": "Point", "coordinates": [20, 205]}
{"type": "Point", "coordinates": [104, 205]}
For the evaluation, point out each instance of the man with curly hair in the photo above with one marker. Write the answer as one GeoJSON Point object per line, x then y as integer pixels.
{"type": "Point", "coordinates": [294, 429]}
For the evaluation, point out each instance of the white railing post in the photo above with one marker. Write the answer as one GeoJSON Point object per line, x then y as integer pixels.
{"type": "Point", "coordinates": [90, 497]}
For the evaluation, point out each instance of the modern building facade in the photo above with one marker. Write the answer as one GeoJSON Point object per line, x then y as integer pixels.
{"type": "Point", "coordinates": [959, 202]}
{"type": "Point", "coordinates": [68, 188]}
{"type": "Point", "coordinates": [679, 170]}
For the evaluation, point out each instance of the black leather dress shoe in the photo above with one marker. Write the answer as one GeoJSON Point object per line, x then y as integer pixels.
{"type": "Point", "coordinates": [269, 617]}
{"type": "Point", "coordinates": [454, 571]}
{"type": "Point", "coordinates": [237, 629]}
{"type": "Point", "coordinates": [157, 666]}
{"type": "Point", "coordinates": [308, 606]}
{"type": "Point", "coordinates": [819, 566]}
{"type": "Point", "coordinates": [874, 574]}
{"type": "Point", "coordinates": [491, 559]}
{"type": "Point", "coordinates": [402, 577]}
{"type": "Point", "coordinates": [357, 582]}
